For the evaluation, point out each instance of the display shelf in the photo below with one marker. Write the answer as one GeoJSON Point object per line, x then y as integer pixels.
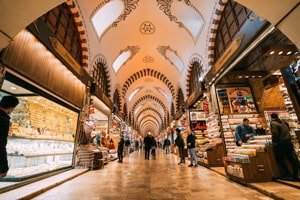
{"type": "Point", "coordinates": [210, 147]}
{"type": "Point", "coordinates": [229, 124]}
{"type": "Point", "coordinates": [252, 162]}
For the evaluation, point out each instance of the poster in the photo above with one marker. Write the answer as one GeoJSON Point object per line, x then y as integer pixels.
{"type": "Point", "coordinates": [198, 125]}
{"type": "Point", "coordinates": [236, 100]}
{"type": "Point", "coordinates": [196, 115]}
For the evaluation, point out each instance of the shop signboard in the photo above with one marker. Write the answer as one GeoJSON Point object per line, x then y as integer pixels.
{"type": "Point", "coordinates": [236, 100]}
{"type": "Point", "coordinates": [196, 115]}
{"type": "Point", "coordinates": [199, 125]}
{"type": "Point", "coordinates": [235, 44]}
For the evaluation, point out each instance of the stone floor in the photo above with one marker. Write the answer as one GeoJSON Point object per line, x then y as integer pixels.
{"type": "Point", "coordinates": [162, 178]}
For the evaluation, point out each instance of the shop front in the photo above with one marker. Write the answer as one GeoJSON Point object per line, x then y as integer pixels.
{"type": "Point", "coordinates": [254, 88]}
{"type": "Point", "coordinates": [44, 126]}
{"type": "Point", "coordinates": [209, 145]}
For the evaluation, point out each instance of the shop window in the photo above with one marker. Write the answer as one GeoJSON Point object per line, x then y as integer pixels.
{"type": "Point", "coordinates": [100, 78]}
{"type": "Point", "coordinates": [42, 132]}
{"type": "Point", "coordinates": [195, 74]}
{"type": "Point", "coordinates": [232, 19]}
{"type": "Point", "coordinates": [180, 100]}
{"type": "Point", "coordinates": [61, 22]}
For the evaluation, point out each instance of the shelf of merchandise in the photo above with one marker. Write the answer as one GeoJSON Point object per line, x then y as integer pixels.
{"type": "Point", "coordinates": [252, 162]}
{"type": "Point", "coordinates": [229, 124]}
{"type": "Point", "coordinates": [210, 149]}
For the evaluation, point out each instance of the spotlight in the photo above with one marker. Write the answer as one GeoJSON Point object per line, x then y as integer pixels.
{"type": "Point", "coordinates": [272, 52]}
{"type": "Point", "coordinates": [280, 52]}
{"type": "Point", "coordinates": [288, 53]}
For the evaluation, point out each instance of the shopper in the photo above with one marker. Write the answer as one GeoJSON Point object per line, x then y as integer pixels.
{"type": "Point", "coordinates": [127, 147]}
{"type": "Point", "coordinates": [153, 148]}
{"type": "Point", "coordinates": [283, 148]}
{"type": "Point", "coordinates": [148, 144]}
{"type": "Point", "coordinates": [191, 145]}
{"type": "Point", "coordinates": [243, 132]}
{"type": "Point", "coordinates": [167, 144]}
{"type": "Point", "coordinates": [7, 105]}
{"type": "Point", "coordinates": [120, 149]}
{"type": "Point", "coordinates": [260, 130]}
{"type": "Point", "coordinates": [179, 142]}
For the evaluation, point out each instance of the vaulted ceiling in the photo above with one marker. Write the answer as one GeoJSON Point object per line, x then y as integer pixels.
{"type": "Point", "coordinates": [148, 45]}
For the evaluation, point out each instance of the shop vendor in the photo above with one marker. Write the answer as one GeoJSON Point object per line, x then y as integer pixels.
{"type": "Point", "coordinates": [243, 132]}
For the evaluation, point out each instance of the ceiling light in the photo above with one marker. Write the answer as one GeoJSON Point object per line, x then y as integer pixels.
{"type": "Point", "coordinates": [240, 77]}
{"type": "Point", "coordinates": [259, 76]}
{"type": "Point", "coordinates": [288, 53]}
{"type": "Point", "coordinates": [272, 52]}
{"type": "Point", "coordinates": [296, 52]}
{"type": "Point", "coordinates": [280, 52]}
{"type": "Point", "coordinates": [13, 88]}
{"type": "Point", "coordinates": [246, 76]}
{"type": "Point", "coordinates": [253, 76]}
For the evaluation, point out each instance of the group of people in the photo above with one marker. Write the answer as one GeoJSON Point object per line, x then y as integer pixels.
{"type": "Point", "coordinates": [281, 140]}
{"type": "Point", "coordinates": [150, 145]}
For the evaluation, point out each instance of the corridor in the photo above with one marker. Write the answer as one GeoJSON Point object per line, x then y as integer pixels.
{"type": "Point", "coordinates": [162, 178]}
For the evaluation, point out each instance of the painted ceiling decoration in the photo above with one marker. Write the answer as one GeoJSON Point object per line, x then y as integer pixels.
{"type": "Point", "coordinates": [147, 110]}
{"type": "Point", "coordinates": [147, 28]}
{"type": "Point", "coordinates": [172, 56]}
{"type": "Point", "coordinates": [108, 14]}
{"type": "Point", "coordinates": [124, 56]}
{"type": "Point", "coordinates": [148, 97]}
{"type": "Point", "coordinates": [144, 73]}
{"type": "Point", "coordinates": [177, 10]}
{"type": "Point", "coordinates": [148, 59]}
{"type": "Point", "coordinates": [149, 117]}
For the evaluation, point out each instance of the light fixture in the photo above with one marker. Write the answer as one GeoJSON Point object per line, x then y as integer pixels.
{"type": "Point", "coordinates": [240, 77]}
{"type": "Point", "coordinates": [288, 53]}
{"type": "Point", "coordinates": [296, 52]}
{"type": "Point", "coordinates": [280, 52]}
{"type": "Point", "coordinates": [253, 76]}
{"type": "Point", "coordinates": [246, 76]}
{"type": "Point", "coordinates": [272, 52]}
{"type": "Point", "coordinates": [13, 88]}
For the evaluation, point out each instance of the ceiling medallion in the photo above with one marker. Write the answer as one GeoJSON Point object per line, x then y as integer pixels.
{"type": "Point", "coordinates": [147, 28]}
{"type": "Point", "coordinates": [148, 59]}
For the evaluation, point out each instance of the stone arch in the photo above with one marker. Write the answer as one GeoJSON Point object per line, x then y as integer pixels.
{"type": "Point", "coordinates": [147, 97]}
{"type": "Point", "coordinates": [147, 72]}
{"type": "Point", "coordinates": [101, 59]}
{"type": "Point", "coordinates": [149, 109]}
{"type": "Point", "coordinates": [194, 59]}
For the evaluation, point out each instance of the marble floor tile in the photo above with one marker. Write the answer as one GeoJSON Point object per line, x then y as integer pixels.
{"type": "Point", "coordinates": [162, 178]}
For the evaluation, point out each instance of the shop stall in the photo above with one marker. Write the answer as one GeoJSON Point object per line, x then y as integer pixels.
{"type": "Point", "coordinates": [44, 125]}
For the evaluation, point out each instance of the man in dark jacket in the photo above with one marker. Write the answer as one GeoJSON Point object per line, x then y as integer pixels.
{"type": "Point", "coordinates": [7, 105]}
{"type": "Point", "coordinates": [167, 144]}
{"type": "Point", "coordinates": [148, 143]}
{"type": "Point", "coordinates": [191, 145]}
{"type": "Point", "coordinates": [283, 147]}
{"type": "Point", "coordinates": [120, 149]}
{"type": "Point", "coordinates": [179, 142]}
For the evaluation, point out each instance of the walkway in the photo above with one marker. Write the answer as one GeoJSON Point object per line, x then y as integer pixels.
{"type": "Point", "coordinates": [137, 178]}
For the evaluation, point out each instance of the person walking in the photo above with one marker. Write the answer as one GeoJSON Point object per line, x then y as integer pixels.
{"type": "Point", "coordinates": [179, 142]}
{"type": "Point", "coordinates": [120, 149]}
{"type": "Point", "coordinates": [153, 148]}
{"type": "Point", "coordinates": [148, 144]}
{"type": "Point", "coordinates": [191, 145]}
{"type": "Point", "coordinates": [127, 147]}
{"type": "Point", "coordinates": [283, 148]}
{"type": "Point", "coordinates": [167, 144]}
{"type": "Point", "coordinates": [7, 105]}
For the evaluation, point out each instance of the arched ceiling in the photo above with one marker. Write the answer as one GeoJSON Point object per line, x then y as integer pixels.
{"type": "Point", "coordinates": [161, 35]}
{"type": "Point", "coordinates": [148, 45]}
